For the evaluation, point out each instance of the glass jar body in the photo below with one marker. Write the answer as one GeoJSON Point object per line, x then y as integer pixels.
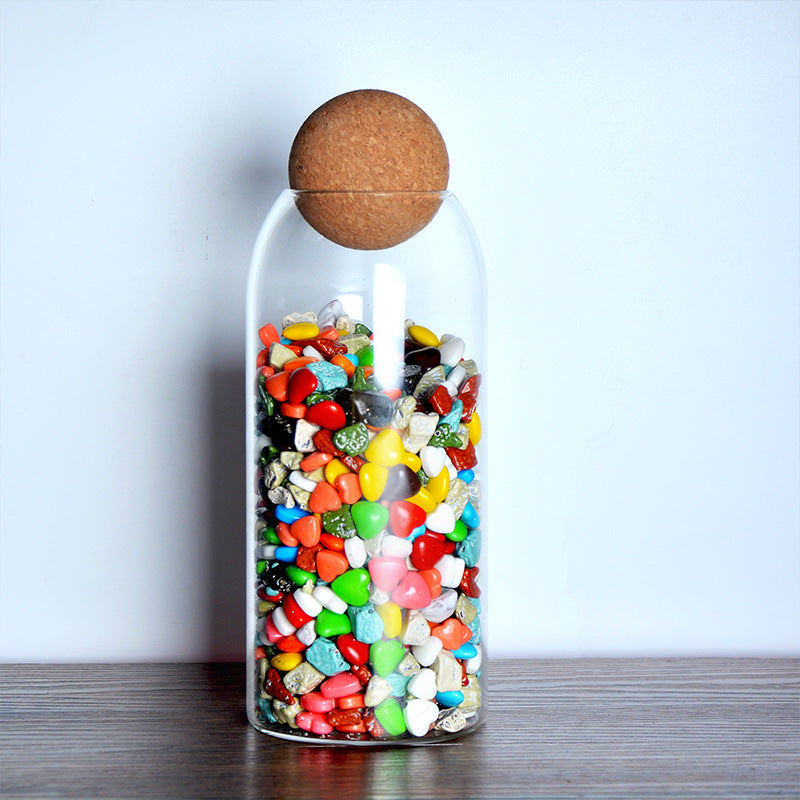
{"type": "Point", "coordinates": [366, 480]}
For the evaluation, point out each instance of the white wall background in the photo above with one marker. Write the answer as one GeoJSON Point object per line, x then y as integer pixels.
{"type": "Point", "coordinates": [632, 171]}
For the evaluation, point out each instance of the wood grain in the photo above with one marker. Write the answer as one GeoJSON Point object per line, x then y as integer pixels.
{"type": "Point", "coordinates": [567, 728]}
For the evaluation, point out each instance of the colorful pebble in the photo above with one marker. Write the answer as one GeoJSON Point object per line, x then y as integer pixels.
{"type": "Point", "coordinates": [367, 563]}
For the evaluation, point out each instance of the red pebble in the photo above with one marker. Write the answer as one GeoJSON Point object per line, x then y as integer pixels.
{"type": "Point", "coordinates": [463, 459]}
{"type": "Point", "coordinates": [440, 400]}
{"type": "Point", "coordinates": [268, 335]}
{"type": "Point", "coordinates": [273, 686]}
{"type": "Point", "coordinates": [354, 651]}
{"type": "Point", "coordinates": [362, 672]}
{"type": "Point", "coordinates": [324, 498]}
{"type": "Point", "coordinates": [293, 410]}
{"type": "Point", "coordinates": [331, 542]}
{"type": "Point", "coordinates": [324, 345]}
{"type": "Point", "coordinates": [426, 551]}
{"type": "Point", "coordinates": [323, 441]}
{"type": "Point", "coordinates": [468, 583]}
{"type": "Point", "coordinates": [307, 558]}
{"type": "Point", "coordinates": [327, 414]}
{"type": "Point", "coordinates": [404, 517]}
{"type": "Point", "coordinates": [340, 685]}
{"type": "Point", "coordinates": [301, 383]}
{"type": "Point", "coordinates": [469, 396]}
{"type": "Point", "coordinates": [294, 613]}
{"type": "Point", "coordinates": [340, 716]}
{"type": "Point", "coordinates": [353, 463]}
{"type": "Point", "coordinates": [374, 728]}
{"type": "Point", "coordinates": [277, 385]}
{"type": "Point", "coordinates": [291, 644]}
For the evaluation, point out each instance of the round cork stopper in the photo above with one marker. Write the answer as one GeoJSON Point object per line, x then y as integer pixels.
{"type": "Point", "coordinates": [369, 163]}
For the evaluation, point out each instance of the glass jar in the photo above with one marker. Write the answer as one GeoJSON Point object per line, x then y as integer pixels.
{"type": "Point", "coordinates": [366, 607]}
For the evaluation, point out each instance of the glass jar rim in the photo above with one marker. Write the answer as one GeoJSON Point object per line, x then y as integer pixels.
{"type": "Point", "coordinates": [376, 192]}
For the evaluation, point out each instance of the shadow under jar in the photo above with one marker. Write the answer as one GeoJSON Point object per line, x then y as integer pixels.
{"type": "Point", "coordinates": [366, 479]}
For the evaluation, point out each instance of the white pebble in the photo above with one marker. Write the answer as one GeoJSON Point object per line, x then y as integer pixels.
{"type": "Point", "coordinates": [419, 716]}
{"type": "Point", "coordinates": [307, 602]}
{"type": "Point", "coordinates": [457, 376]}
{"type": "Point", "coordinates": [442, 519]}
{"type": "Point", "coordinates": [452, 350]}
{"type": "Point", "coordinates": [298, 479]}
{"type": "Point", "coordinates": [307, 633]}
{"type": "Point", "coordinates": [433, 459]}
{"type": "Point", "coordinates": [328, 598]}
{"type": "Point", "coordinates": [355, 551]}
{"type": "Point", "coordinates": [474, 664]}
{"type": "Point", "coordinates": [426, 652]}
{"type": "Point", "coordinates": [281, 622]}
{"type": "Point", "coordinates": [451, 568]}
{"type": "Point", "coordinates": [395, 547]}
{"type": "Point", "coordinates": [312, 352]}
{"type": "Point", "coordinates": [423, 684]}
{"type": "Point", "coordinates": [441, 607]}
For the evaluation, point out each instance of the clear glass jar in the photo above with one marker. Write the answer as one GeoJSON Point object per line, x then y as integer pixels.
{"type": "Point", "coordinates": [365, 579]}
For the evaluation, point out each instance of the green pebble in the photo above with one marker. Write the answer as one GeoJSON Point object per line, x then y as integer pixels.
{"type": "Point", "coordinates": [317, 397]}
{"type": "Point", "coordinates": [266, 401]}
{"type": "Point", "coordinates": [445, 436]}
{"type": "Point", "coordinates": [385, 655]}
{"type": "Point", "coordinates": [363, 329]}
{"type": "Point", "coordinates": [359, 382]}
{"type": "Point", "coordinates": [268, 454]}
{"type": "Point", "coordinates": [330, 624]}
{"type": "Point", "coordinates": [366, 356]}
{"type": "Point", "coordinates": [353, 439]}
{"type": "Point", "coordinates": [390, 715]}
{"type": "Point", "coordinates": [459, 533]}
{"type": "Point", "coordinates": [423, 477]}
{"type": "Point", "coordinates": [339, 523]}
{"type": "Point", "coordinates": [300, 576]}
{"type": "Point", "coordinates": [261, 565]}
{"type": "Point", "coordinates": [353, 587]}
{"type": "Point", "coordinates": [369, 518]}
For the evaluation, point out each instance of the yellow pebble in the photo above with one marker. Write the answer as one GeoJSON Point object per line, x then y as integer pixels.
{"type": "Point", "coordinates": [392, 618]}
{"type": "Point", "coordinates": [301, 330]}
{"type": "Point", "coordinates": [424, 500]}
{"type": "Point", "coordinates": [423, 336]}
{"type": "Point", "coordinates": [474, 428]}
{"type": "Point", "coordinates": [372, 479]}
{"type": "Point", "coordinates": [411, 460]}
{"type": "Point", "coordinates": [333, 469]}
{"type": "Point", "coordinates": [385, 449]}
{"type": "Point", "coordinates": [283, 662]}
{"type": "Point", "coordinates": [439, 485]}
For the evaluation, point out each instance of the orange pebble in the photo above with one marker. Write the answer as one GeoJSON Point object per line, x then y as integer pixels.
{"type": "Point", "coordinates": [433, 578]}
{"type": "Point", "coordinates": [351, 701]}
{"type": "Point", "coordinates": [452, 633]}
{"type": "Point", "coordinates": [349, 487]}
{"type": "Point", "coordinates": [329, 332]}
{"type": "Point", "coordinates": [260, 652]}
{"type": "Point", "coordinates": [345, 363]}
{"type": "Point", "coordinates": [262, 359]}
{"type": "Point", "coordinates": [295, 348]}
{"type": "Point", "coordinates": [332, 542]}
{"type": "Point", "coordinates": [324, 498]}
{"type": "Point", "coordinates": [307, 530]}
{"type": "Point", "coordinates": [290, 644]}
{"type": "Point", "coordinates": [368, 370]}
{"type": "Point", "coordinates": [285, 535]}
{"type": "Point", "coordinates": [296, 363]}
{"type": "Point", "coordinates": [294, 410]}
{"type": "Point", "coordinates": [278, 385]}
{"type": "Point", "coordinates": [359, 728]}
{"type": "Point", "coordinates": [268, 335]}
{"type": "Point", "coordinates": [266, 371]}
{"type": "Point", "coordinates": [393, 393]}
{"type": "Point", "coordinates": [331, 565]}
{"type": "Point", "coordinates": [315, 461]}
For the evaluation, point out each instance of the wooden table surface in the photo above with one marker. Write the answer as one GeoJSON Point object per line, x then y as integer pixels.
{"type": "Point", "coordinates": [566, 728]}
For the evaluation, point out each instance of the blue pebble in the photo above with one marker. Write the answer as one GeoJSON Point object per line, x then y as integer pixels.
{"type": "Point", "coordinates": [324, 655]}
{"type": "Point", "coordinates": [469, 548]}
{"type": "Point", "coordinates": [466, 651]}
{"type": "Point", "coordinates": [286, 554]}
{"type": "Point", "coordinates": [367, 623]}
{"type": "Point", "coordinates": [398, 683]}
{"type": "Point", "coordinates": [289, 515]}
{"type": "Point", "coordinates": [284, 340]}
{"type": "Point", "coordinates": [466, 475]}
{"type": "Point", "coordinates": [453, 417]}
{"type": "Point", "coordinates": [470, 517]}
{"type": "Point", "coordinates": [352, 358]}
{"type": "Point", "coordinates": [416, 532]}
{"type": "Point", "coordinates": [449, 699]}
{"type": "Point", "coordinates": [270, 592]}
{"type": "Point", "coordinates": [329, 376]}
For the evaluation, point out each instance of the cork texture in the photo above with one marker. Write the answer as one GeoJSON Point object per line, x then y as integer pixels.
{"type": "Point", "coordinates": [368, 141]}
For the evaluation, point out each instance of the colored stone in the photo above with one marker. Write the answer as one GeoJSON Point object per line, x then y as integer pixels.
{"type": "Point", "coordinates": [416, 630]}
{"type": "Point", "coordinates": [301, 383]}
{"type": "Point", "coordinates": [401, 483]}
{"type": "Point", "coordinates": [412, 592]}
{"type": "Point", "coordinates": [355, 651]}
{"type": "Point", "coordinates": [339, 522]}
{"type": "Point", "coordinates": [390, 716]}
{"type": "Point", "coordinates": [423, 336]}
{"type": "Point", "coordinates": [448, 672]}
{"type": "Point", "coordinates": [385, 449]}
{"type": "Point", "coordinates": [385, 655]}
{"type": "Point", "coordinates": [427, 550]}
{"type": "Point", "coordinates": [352, 587]}
{"type": "Point", "coordinates": [425, 357]}
{"type": "Point", "coordinates": [465, 609]}
{"type": "Point", "coordinates": [451, 350]}
{"type": "Point", "coordinates": [470, 548]}
{"type": "Point", "coordinates": [372, 479]}
{"type": "Point", "coordinates": [330, 376]}
{"type": "Point", "coordinates": [441, 607]}
{"type": "Point", "coordinates": [453, 417]}
{"type": "Point", "coordinates": [372, 408]}
{"type": "Point", "coordinates": [353, 439]}
{"type": "Point", "coordinates": [300, 330]}
{"type": "Point", "coordinates": [421, 428]}
{"type": "Point", "coordinates": [392, 618]}
{"type": "Point", "coordinates": [367, 624]}
{"type": "Point", "coordinates": [378, 689]}
{"type": "Point", "coordinates": [442, 519]}
{"type": "Point", "coordinates": [451, 720]}
{"type": "Point", "coordinates": [459, 532]}
{"type": "Point", "coordinates": [324, 656]}
{"type": "Point", "coordinates": [387, 572]}
{"type": "Point", "coordinates": [369, 518]}
{"type": "Point", "coordinates": [404, 517]}
{"type": "Point", "coordinates": [326, 414]}
{"type": "Point", "coordinates": [445, 436]}
{"type": "Point", "coordinates": [420, 716]}
{"type": "Point", "coordinates": [457, 496]}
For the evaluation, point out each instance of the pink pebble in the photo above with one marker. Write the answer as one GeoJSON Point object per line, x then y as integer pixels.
{"type": "Point", "coordinates": [314, 701]}
{"type": "Point", "coordinates": [341, 685]}
{"type": "Point", "coordinates": [271, 632]}
{"type": "Point", "coordinates": [412, 592]}
{"type": "Point", "coordinates": [386, 572]}
{"type": "Point", "coordinates": [313, 723]}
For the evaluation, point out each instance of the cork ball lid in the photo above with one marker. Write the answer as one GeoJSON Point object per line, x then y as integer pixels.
{"type": "Point", "coordinates": [369, 163]}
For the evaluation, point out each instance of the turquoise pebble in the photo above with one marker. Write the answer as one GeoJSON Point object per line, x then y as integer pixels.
{"type": "Point", "coordinates": [466, 475]}
{"type": "Point", "coordinates": [367, 623]}
{"type": "Point", "coordinates": [466, 651]}
{"type": "Point", "coordinates": [284, 340]}
{"type": "Point", "coordinates": [475, 627]}
{"type": "Point", "coordinates": [469, 516]}
{"type": "Point", "coordinates": [416, 532]}
{"type": "Point", "coordinates": [352, 358]}
{"type": "Point", "coordinates": [287, 554]}
{"type": "Point", "coordinates": [324, 655]}
{"type": "Point", "coordinates": [453, 417]}
{"type": "Point", "coordinates": [289, 515]}
{"type": "Point", "coordinates": [469, 548]}
{"type": "Point", "coordinates": [398, 683]}
{"type": "Point", "coordinates": [329, 376]}
{"type": "Point", "coordinates": [270, 592]}
{"type": "Point", "coordinates": [265, 707]}
{"type": "Point", "coordinates": [449, 699]}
